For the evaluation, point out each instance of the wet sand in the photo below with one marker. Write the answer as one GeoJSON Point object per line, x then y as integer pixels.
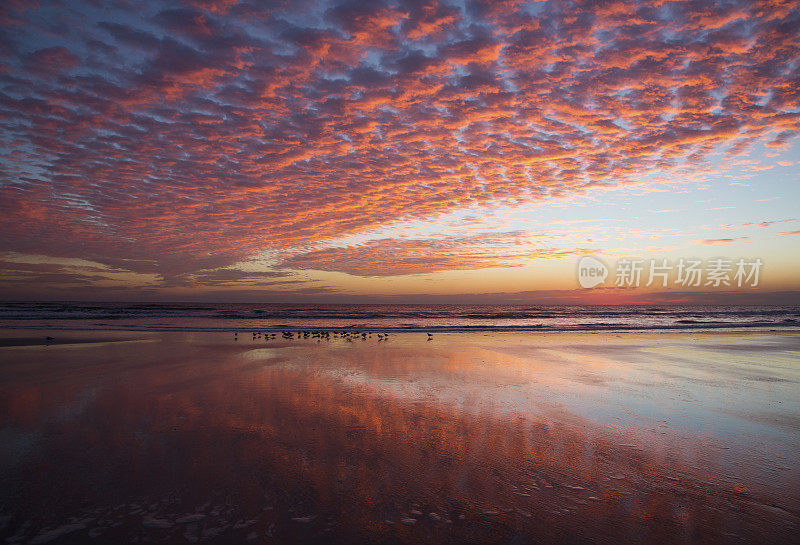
{"type": "Point", "coordinates": [468, 438]}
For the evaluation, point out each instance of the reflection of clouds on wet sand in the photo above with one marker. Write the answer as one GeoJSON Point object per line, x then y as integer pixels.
{"type": "Point", "coordinates": [454, 441]}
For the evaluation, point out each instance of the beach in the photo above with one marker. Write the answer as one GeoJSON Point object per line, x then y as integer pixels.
{"type": "Point", "coordinates": [408, 272]}
{"type": "Point", "coordinates": [495, 437]}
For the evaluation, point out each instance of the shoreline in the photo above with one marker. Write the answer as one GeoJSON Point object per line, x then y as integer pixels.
{"type": "Point", "coordinates": [695, 327]}
{"type": "Point", "coordinates": [31, 337]}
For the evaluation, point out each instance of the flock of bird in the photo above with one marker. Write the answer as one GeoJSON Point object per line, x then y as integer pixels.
{"type": "Point", "coordinates": [320, 335]}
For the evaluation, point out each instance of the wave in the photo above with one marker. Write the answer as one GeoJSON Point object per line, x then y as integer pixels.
{"type": "Point", "coordinates": [359, 328]}
{"type": "Point", "coordinates": [222, 316]}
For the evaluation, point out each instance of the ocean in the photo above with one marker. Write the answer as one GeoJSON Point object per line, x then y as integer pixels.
{"type": "Point", "coordinates": [392, 317]}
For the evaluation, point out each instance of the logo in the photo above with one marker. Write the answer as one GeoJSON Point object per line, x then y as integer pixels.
{"type": "Point", "coordinates": [633, 273]}
{"type": "Point", "coordinates": [591, 272]}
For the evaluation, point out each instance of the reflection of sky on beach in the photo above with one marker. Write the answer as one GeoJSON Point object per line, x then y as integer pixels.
{"type": "Point", "coordinates": [350, 434]}
{"type": "Point", "coordinates": [741, 398]}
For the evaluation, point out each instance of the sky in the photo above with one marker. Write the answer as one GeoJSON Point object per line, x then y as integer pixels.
{"type": "Point", "coordinates": [411, 151]}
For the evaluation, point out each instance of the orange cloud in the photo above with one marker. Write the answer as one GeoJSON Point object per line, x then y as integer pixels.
{"type": "Point", "coordinates": [178, 140]}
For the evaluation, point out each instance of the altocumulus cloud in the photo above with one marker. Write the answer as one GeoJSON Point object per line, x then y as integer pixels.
{"type": "Point", "coordinates": [172, 140]}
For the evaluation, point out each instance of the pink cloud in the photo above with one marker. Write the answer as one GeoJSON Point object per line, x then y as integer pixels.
{"type": "Point", "coordinates": [711, 242]}
{"type": "Point", "coordinates": [389, 257]}
{"type": "Point", "coordinates": [177, 140]}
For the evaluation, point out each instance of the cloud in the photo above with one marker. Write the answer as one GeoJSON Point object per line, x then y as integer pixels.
{"type": "Point", "coordinates": [64, 279]}
{"type": "Point", "coordinates": [770, 223]}
{"type": "Point", "coordinates": [759, 223]}
{"type": "Point", "coordinates": [711, 242]}
{"type": "Point", "coordinates": [184, 139]}
{"type": "Point", "coordinates": [391, 256]}
{"type": "Point", "coordinates": [234, 278]}
{"type": "Point", "coordinates": [50, 60]}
